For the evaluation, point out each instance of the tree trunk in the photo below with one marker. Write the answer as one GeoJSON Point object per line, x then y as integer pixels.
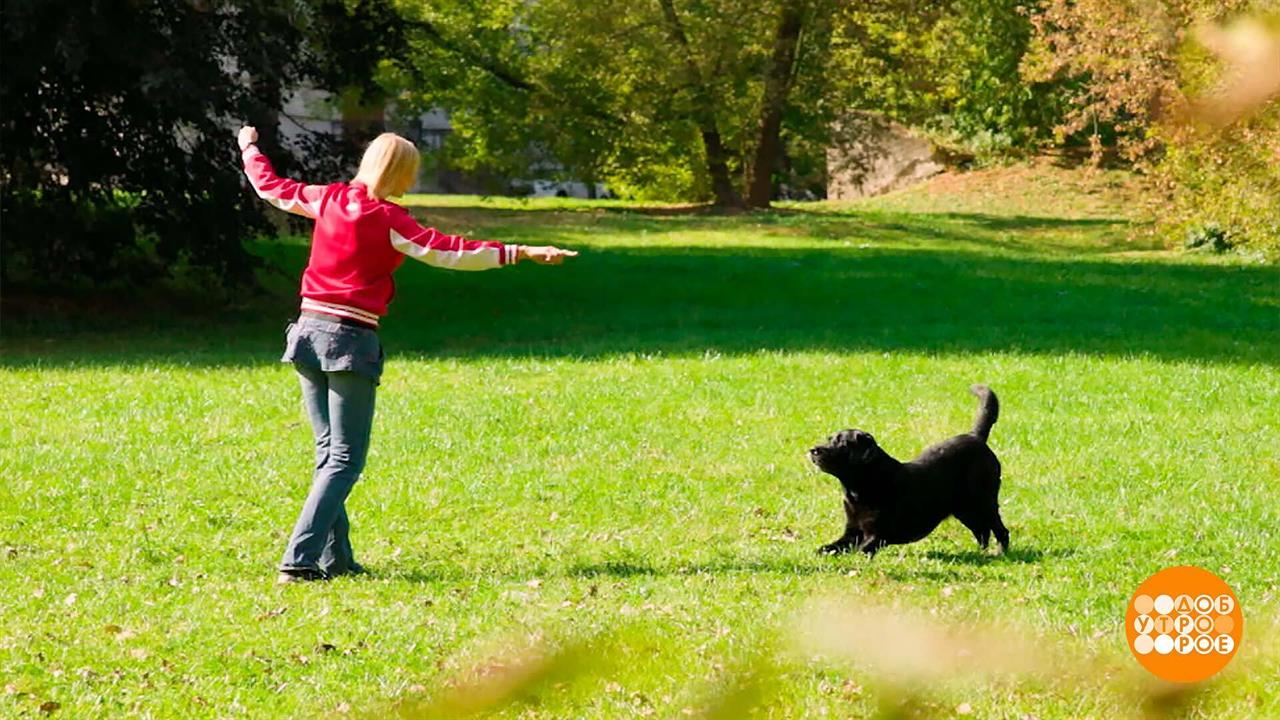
{"type": "Point", "coordinates": [704, 114]}
{"type": "Point", "coordinates": [718, 169]}
{"type": "Point", "coordinates": [777, 85]}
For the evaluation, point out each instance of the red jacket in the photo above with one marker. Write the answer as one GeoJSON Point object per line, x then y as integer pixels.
{"type": "Point", "coordinates": [359, 242]}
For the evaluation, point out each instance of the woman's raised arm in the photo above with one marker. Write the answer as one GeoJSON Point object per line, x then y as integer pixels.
{"type": "Point", "coordinates": [288, 195]}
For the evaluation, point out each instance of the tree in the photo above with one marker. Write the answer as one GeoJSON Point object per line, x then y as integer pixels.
{"type": "Point", "coordinates": [116, 158]}
{"type": "Point", "coordinates": [710, 99]}
{"type": "Point", "coordinates": [777, 86]}
{"type": "Point", "coordinates": [628, 91]}
{"type": "Point", "coordinates": [1143, 71]}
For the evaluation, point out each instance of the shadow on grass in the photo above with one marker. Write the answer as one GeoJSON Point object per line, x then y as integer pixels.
{"type": "Point", "coordinates": [719, 566]}
{"type": "Point", "coordinates": [952, 562]}
{"type": "Point", "coordinates": [694, 300]}
{"type": "Point", "coordinates": [953, 295]}
{"type": "Point", "coordinates": [425, 573]}
{"type": "Point", "coordinates": [940, 565]}
{"type": "Point", "coordinates": [1017, 555]}
{"type": "Point", "coordinates": [702, 216]}
{"type": "Point", "coordinates": [615, 569]}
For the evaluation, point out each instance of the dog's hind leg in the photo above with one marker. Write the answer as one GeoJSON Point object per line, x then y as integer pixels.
{"type": "Point", "coordinates": [977, 525]}
{"type": "Point", "coordinates": [1002, 532]}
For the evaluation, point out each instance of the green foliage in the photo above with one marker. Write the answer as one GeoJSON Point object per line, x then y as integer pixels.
{"type": "Point", "coordinates": [1145, 84]}
{"type": "Point", "coordinates": [116, 146]}
{"type": "Point", "coordinates": [1210, 236]}
{"type": "Point", "coordinates": [597, 89]}
{"type": "Point", "coordinates": [976, 52]}
{"type": "Point", "coordinates": [1224, 175]}
{"type": "Point", "coordinates": [1227, 180]}
{"type": "Point", "coordinates": [117, 143]}
{"type": "Point", "coordinates": [951, 68]}
{"type": "Point", "coordinates": [618, 443]}
{"type": "Point", "coordinates": [348, 43]}
{"type": "Point", "coordinates": [624, 92]}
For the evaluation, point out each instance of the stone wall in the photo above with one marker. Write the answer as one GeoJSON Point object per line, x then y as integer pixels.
{"type": "Point", "coordinates": [872, 156]}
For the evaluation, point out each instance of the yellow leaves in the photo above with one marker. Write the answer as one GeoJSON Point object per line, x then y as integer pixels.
{"type": "Point", "coordinates": [273, 613]}
{"type": "Point", "coordinates": [913, 648]}
{"type": "Point", "coordinates": [500, 681]}
{"type": "Point", "coordinates": [848, 690]}
{"type": "Point", "coordinates": [786, 535]}
{"type": "Point", "coordinates": [120, 634]}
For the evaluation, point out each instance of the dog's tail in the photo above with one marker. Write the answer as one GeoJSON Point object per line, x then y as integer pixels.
{"type": "Point", "coordinates": [988, 410]}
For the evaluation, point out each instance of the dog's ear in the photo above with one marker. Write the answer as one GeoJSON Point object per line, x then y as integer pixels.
{"type": "Point", "coordinates": [864, 445]}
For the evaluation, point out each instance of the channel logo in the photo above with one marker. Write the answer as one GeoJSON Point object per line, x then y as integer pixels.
{"type": "Point", "coordinates": [1184, 624]}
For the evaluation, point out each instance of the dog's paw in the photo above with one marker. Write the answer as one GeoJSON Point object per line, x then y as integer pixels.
{"type": "Point", "coordinates": [835, 548]}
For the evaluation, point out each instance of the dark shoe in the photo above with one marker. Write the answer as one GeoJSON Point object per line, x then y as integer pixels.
{"type": "Point", "coordinates": [352, 569]}
{"type": "Point", "coordinates": [299, 575]}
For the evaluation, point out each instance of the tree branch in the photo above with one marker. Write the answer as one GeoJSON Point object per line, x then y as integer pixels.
{"type": "Point", "coordinates": [504, 74]}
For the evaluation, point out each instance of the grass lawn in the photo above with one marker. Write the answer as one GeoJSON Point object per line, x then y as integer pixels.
{"type": "Point", "coordinates": [615, 450]}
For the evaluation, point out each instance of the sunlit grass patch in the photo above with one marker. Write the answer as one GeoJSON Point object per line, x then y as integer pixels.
{"type": "Point", "coordinates": [614, 450]}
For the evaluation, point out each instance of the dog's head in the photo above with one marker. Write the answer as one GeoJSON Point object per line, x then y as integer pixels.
{"type": "Point", "coordinates": [845, 453]}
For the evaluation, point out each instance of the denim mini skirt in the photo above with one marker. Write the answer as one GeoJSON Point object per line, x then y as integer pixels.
{"type": "Point", "coordinates": [333, 347]}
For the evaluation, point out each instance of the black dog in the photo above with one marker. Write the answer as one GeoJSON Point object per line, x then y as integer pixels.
{"type": "Point", "coordinates": [892, 503]}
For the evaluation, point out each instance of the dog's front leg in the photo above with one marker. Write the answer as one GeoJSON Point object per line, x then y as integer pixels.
{"type": "Point", "coordinates": [870, 545]}
{"type": "Point", "coordinates": [852, 534]}
{"type": "Point", "coordinates": [846, 543]}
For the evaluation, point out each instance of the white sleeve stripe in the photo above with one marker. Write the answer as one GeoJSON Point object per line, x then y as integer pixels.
{"type": "Point", "coordinates": [482, 258]}
{"type": "Point", "coordinates": [310, 209]}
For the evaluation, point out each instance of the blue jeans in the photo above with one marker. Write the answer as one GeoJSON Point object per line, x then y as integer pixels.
{"type": "Point", "coordinates": [339, 377]}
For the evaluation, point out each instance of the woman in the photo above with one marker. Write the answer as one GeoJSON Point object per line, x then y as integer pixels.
{"type": "Point", "coordinates": [360, 239]}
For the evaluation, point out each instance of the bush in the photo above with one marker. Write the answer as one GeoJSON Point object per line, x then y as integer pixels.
{"type": "Point", "coordinates": [1150, 81]}
{"type": "Point", "coordinates": [117, 153]}
{"type": "Point", "coordinates": [1210, 236]}
{"type": "Point", "coordinates": [1229, 181]}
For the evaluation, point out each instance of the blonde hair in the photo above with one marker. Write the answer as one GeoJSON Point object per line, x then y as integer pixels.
{"type": "Point", "coordinates": [389, 166]}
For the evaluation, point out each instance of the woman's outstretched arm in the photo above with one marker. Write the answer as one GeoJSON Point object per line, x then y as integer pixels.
{"type": "Point", "coordinates": [288, 195]}
{"type": "Point", "coordinates": [455, 252]}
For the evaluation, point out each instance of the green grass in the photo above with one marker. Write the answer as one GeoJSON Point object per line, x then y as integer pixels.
{"type": "Point", "coordinates": [615, 448]}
